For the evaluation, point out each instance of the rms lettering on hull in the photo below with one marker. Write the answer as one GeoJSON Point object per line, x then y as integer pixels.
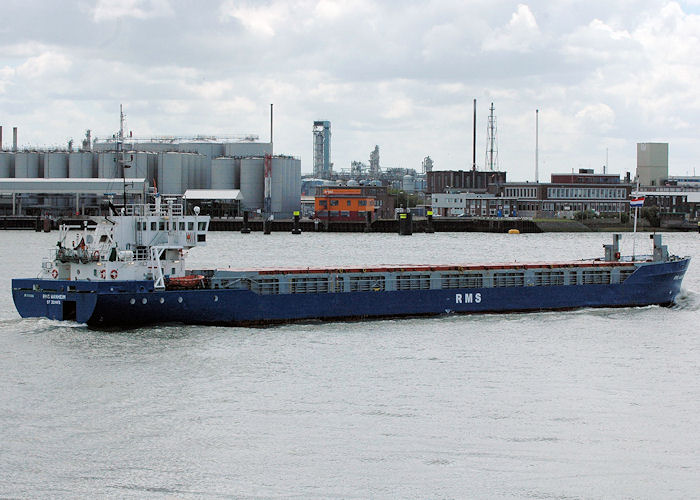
{"type": "Point", "coordinates": [468, 298]}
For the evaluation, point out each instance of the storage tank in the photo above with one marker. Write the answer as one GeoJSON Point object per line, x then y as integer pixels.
{"type": "Point", "coordinates": [205, 172]}
{"type": "Point", "coordinates": [56, 165]}
{"type": "Point", "coordinates": [241, 149]}
{"type": "Point", "coordinates": [252, 183]}
{"type": "Point", "coordinates": [80, 165]}
{"type": "Point", "coordinates": [107, 166]}
{"type": "Point", "coordinates": [26, 165]}
{"type": "Point", "coordinates": [139, 161]}
{"type": "Point", "coordinates": [286, 185]}
{"type": "Point", "coordinates": [209, 149]}
{"type": "Point", "coordinates": [408, 184]}
{"type": "Point", "coordinates": [225, 173]}
{"type": "Point", "coordinates": [170, 174]}
{"type": "Point", "coordinates": [7, 164]}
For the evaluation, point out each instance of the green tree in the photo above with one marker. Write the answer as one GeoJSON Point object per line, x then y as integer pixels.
{"type": "Point", "coordinates": [651, 214]}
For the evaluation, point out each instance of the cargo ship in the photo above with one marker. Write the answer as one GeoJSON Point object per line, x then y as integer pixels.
{"type": "Point", "coordinates": [128, 268]}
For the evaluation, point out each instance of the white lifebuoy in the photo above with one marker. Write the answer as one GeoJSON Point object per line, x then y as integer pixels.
{"type": "Point", "coordinates": [54, 273]}
{"type": "Point", "coordinates": [113, 274]}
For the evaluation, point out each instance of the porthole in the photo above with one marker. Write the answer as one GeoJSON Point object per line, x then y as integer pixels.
{"type": "Point", "coordinates": [216, 298]}
{"type": "Point", "coordinates": [144, 300]}
{"type": "Point", "coordinates": [179, 299]}
{"type": "Point", "coordinates": [132, 301]}
{"type": "Point", "coordinates": [162, 300]}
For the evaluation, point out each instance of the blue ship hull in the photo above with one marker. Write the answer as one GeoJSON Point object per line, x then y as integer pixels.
{"type": "Point", "coordinates": [115, 303]}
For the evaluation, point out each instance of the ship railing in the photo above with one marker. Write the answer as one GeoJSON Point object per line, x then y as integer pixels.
{"type": "Point", "coordinates": [142, 254]}
{"type": "Point", "coordinates": [162, 210]}
{"type": "Point", "coordinates": [636, 258]}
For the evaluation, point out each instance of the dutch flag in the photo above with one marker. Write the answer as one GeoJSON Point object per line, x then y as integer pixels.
{"type": "Point", "coordinates": [637, 202]}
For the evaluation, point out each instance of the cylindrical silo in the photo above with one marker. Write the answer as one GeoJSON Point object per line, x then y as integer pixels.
{"type": "Point", "coordinates": [252, 183]}
{"type": "Point", "coordinates": [170, 174]}
{"type": "Point", "coordinates": [408, 184]}
{"type": "Point", "coordinates": [7, 164]}
{"type": "Point", "coordinates": [286, 185]}
{"type": "Point", "coordinates": [56, 165]}
{"type": "Point", "coordinates": [80, 165]}
{"type": "Point", "coordinates": [27, 165]}
{"type": "Point", "coordinates": [108, 165]}
{"type": "Point", "coordinates": [223, 173]}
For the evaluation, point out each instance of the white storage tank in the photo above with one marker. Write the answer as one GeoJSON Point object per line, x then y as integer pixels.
{"type": "Point", "coordinates": [225, 173]}
{"type": "Point", "coordinates": [26, 165]}
{"type": "Point", "coordinates": [286, 186]}
{"type": "Point", "coordinates": [7, 164]}
{"type": "Point", "coordinates": [170, 173]}
{"type": "Point", "coordinates": [80, 165]}
{"type": "Point", "coordinates": [56, 165]}
{"type": "Point", "coordinates": [252, 183]}
{"type": "Point", "coordinates": [408, 184]}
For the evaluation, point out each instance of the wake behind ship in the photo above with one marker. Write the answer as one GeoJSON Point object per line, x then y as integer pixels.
{"type": "Point", "coordinates": [129, 268]}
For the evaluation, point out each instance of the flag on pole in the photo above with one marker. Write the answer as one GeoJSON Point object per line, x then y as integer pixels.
{"type": "Point", "coordinates": [637, 202]}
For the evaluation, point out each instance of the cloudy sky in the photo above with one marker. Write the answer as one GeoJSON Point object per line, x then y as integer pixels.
{"type": "Point", "coordinates": [400, 74]}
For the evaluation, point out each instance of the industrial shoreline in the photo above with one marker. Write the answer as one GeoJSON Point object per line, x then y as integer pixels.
{"type": "Point", "coordinates": [419, 225]}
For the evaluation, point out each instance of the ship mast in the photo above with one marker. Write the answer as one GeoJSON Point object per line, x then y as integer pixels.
{"type": "Point", "coordinates": [120, 150]}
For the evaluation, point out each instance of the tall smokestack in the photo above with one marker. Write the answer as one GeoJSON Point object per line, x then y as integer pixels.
{"type": "Point", "coordinates": [474, 140]}
{"type": "Point", "coordinates": [14, 139]}
{"type": "Point", "coordinates": [0, 137]}
{"type": "Point", "coordinates": [270, 128]}
{"type": "Point", "coordinates": [537, 145]}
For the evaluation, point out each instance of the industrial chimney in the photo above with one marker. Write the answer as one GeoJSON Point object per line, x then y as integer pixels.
{"type": "Point", "coordinates": [14, 139]}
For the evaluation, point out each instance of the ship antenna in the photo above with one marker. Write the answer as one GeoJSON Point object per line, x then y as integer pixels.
{"type": "Point", "coordinates": [120, 151]}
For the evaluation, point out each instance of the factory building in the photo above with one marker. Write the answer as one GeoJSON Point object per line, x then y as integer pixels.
{"type": "Point", "coordinates": [322, 149]}
{"type": "Point", "coordinates": [652, 163]}
{"type": "Point", "coordinates": [171, 166]}
{"type": "Point", "coordinates": [476, 181]}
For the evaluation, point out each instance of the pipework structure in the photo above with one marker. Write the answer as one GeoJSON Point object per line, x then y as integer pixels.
{"type": "Point", "coordinates": [323, 168]}
{"type": "Point", "coordinates": [491, 142]}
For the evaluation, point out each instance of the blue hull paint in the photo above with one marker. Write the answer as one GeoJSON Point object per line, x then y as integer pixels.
{"type": "Point", "coordinates": [136, 302]}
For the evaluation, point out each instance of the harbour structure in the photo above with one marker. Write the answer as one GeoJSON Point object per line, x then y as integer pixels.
{"type": "Point", "coordinates": [461, 204]}
{"type": "Point", "coordinates": [172, 165]}
{"type": "Point", "coordinates": [344, 204]}
{"type": "Point", "coordinates": [129, 268]}
{"type": "Point", "coordinates": [383, 203]}
{"type": "Point", "coordinates": [323, 168]}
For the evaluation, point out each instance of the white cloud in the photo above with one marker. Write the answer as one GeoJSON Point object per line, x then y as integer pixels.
{"type": "Point", "coordinates": [106, 10]}
{"type": "Point", "coordinates": [521, 34]}
{"type": "Point", "coordinates": [398, 74]}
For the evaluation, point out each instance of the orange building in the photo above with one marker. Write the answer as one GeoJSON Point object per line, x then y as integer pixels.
{"type": "Point", "coordinates": [343, 204]}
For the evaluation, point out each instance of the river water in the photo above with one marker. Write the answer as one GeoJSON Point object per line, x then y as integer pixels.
{"type": "Point", "coordinates": [583, 404]}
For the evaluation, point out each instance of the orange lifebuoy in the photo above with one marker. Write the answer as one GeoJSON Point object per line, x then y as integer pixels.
{"type": "Point", "coordinates": [189, 236]}
{"type": "Point", "coordinates": [617, 255]}
{"type": "Point", "coordinates": [113, 274]}
{"type": "Point", "coordinates": [54, 273]}
{"type": "Point", "coordinates": [103, 273]}
{"type": "Point", "coordinates": [96, 255]}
